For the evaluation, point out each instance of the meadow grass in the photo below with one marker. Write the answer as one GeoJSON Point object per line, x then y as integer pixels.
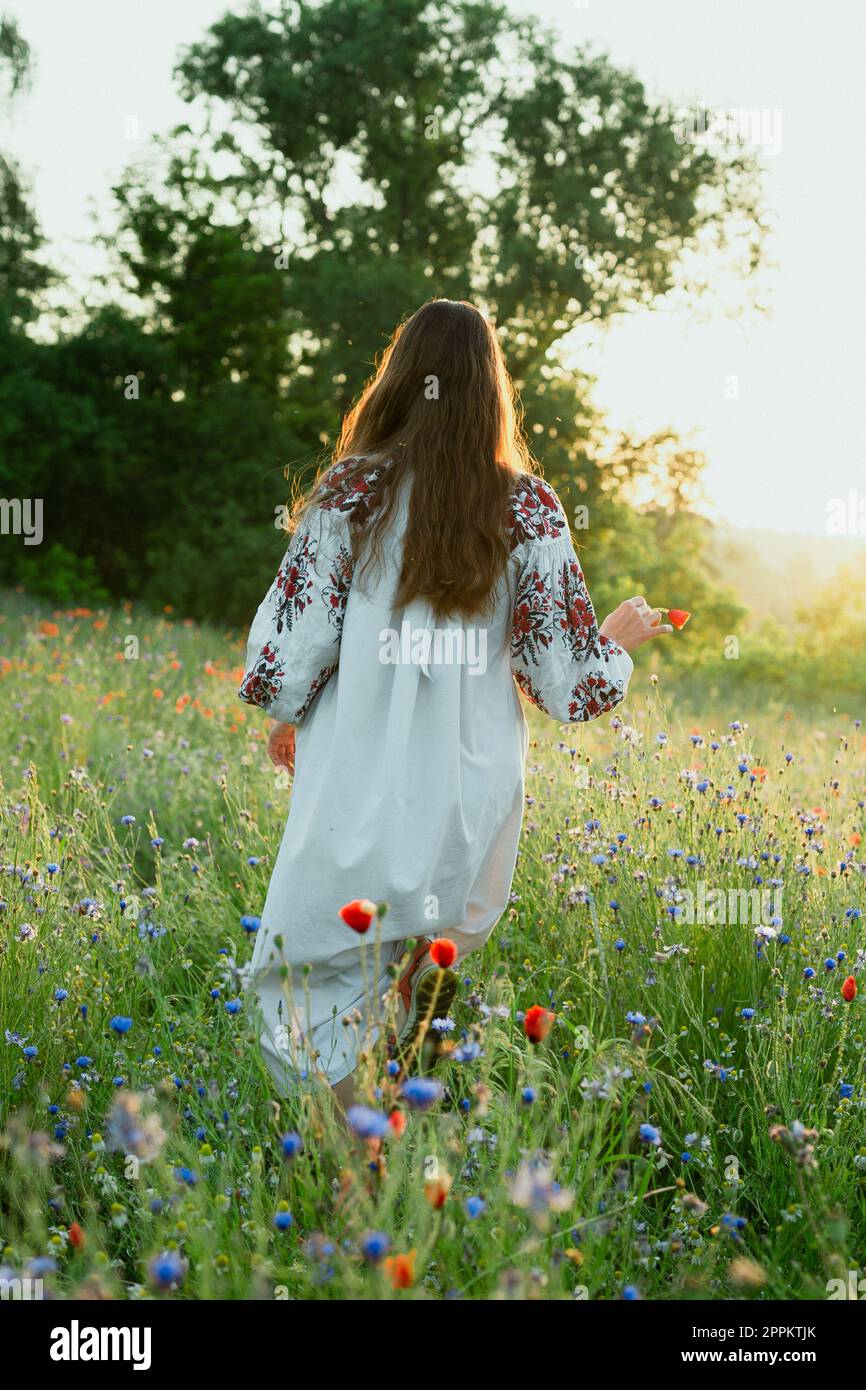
{"type": "Point", "coordinates": [659, 1142]}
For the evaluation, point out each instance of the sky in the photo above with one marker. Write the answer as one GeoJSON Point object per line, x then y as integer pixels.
{"type": "Point", "coordinates": [773, 399]}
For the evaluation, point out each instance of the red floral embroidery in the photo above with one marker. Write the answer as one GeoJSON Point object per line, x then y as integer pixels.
{"type": "Point", "coordinates": [558, 654]}
{"type": "Point", "coordinates": [576, 615]}
{"type": "Point", "coordinates": [350, 490]}
{"type": "Point", "coordinates": [318, 684]}
{"type": "Point", "coordinates": [549, 605]}
{"type": "Point", "coordinates": [536, 512]}
{"type": "Point", "coordinates": [293, 585]}
{"type": "Point", "coordinates": [529, 690]}
{"type": "Point", "coordinates": [594, 696]}
{"type": "Point", "coordinates": [336, 592]}
{"type": "Point", "coordinates": [263, 683]}
{"type": "Point", "coordinates": [532, 627]}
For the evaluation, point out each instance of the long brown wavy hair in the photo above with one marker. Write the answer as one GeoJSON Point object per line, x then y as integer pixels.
{"type": "Point", "coordinates": [440, 409]}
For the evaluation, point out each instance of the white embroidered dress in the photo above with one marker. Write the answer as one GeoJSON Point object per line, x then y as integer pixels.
{"type": "Point", "coordinates": [411, 740]}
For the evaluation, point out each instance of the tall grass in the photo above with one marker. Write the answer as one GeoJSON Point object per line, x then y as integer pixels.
{"type": "Point", "coordinates": [658, 1142]}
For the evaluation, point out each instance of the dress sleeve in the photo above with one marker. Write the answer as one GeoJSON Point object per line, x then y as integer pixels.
{"type": "Point", "coordinates": [294, 642]}
{"type": "Point", "coordinates": [559, 658]}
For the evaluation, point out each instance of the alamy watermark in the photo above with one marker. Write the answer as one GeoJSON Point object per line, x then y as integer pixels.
{"type": "Point", "coordinates": [851, 1288]}
{"type": "Point", "coordinates": [741, 907]}
{"type": "Point", "coordinates": [731, 128]}
{"type": "Point", "coordinates": [846, 516]}
{"type": "Point", "coordinates": [22, 516]}
{"type": "Point", "coordinates": [17, 1290]}
{"type": "Point", "coordinates": [438, 646]}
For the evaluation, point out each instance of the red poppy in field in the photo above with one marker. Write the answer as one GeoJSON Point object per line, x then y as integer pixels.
{"type": "Point", "coordinates": [77, 1238]}
{"type": "Point", "coordinates": [397, 1123]}
{"type": "Point", "coordinates": [678, 617]}
{"type": "Point", "coordinates": [443, 952]}
{"type": "Point", "coordinates": [358, 914]}
{"type": "Point", "coordinates": [436, 1190]}
{"type": "Point", "coordinates": [401, 1270]}
{"type": "Point", "coordinates": [849, 989]}
{"type": "Point", "coordinates": [537, 1023]}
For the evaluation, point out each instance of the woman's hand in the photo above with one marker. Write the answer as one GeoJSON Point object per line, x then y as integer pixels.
{"type": "Point", "coordinates": [281, 747]}
{"type": "Point", "coordinates": [634, 623]}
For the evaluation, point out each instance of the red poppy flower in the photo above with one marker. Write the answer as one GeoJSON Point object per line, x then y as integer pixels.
{"type": "Point", "coordinates": [849, 989]}
{"type": "Point", "coordinates": [537, 1023]}
{"type": "Point", "coordinates": [436, 1190]}
{"type": "Point", "coordinates": [397, 1123]}
{"type": "Point", "coordinates": [443, 952]}
{"type": "Point", "coordinates": [358, 914]}
{"type": "Point", "coordinates": [400, 1269]}
{"type": "Point", "coordinates": [678, 617]}
{"type": "Point", "coordinates": [77, 1238]}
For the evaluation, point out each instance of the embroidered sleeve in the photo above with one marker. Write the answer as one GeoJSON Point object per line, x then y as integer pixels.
{"type": "Point", "coordinates": [294, 642]}
{"type": "Point", "coordinates": [559, 658]}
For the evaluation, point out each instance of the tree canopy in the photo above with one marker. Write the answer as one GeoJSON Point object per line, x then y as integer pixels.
{"type": "Point", "coordinates": [344, 161]}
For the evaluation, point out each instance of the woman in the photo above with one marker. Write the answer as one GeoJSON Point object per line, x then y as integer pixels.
{"type": "Point", "coordinates": [429, 569]}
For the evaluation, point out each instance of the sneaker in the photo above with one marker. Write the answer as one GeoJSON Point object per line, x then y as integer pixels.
{"type": "Point", "coordinates": [426, 992]}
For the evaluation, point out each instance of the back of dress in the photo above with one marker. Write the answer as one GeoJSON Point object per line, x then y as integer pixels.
{"type": "Point", "coordinates": [411, 739]}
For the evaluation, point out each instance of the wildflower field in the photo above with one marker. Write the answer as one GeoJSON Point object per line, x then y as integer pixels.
{"type": "Point", "coordinates": [689, 1126]}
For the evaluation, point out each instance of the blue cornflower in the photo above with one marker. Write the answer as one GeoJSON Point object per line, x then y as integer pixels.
{"type": "Point", "coordinates": [475, 1207]}
{"type": "Point", "coordinates": [367, 1123]}
{"type": "Point", "coordinates": [251, 924]}
{"type": "Point", "coordinates": [166, 1270]}
{"type": "Point", "coordinates": [375, 1246]}
{"type": "Point", "coordinates": [649, 1134]}
{"type": "Point", "coordinates": [120, 1023]}
{"type": "Point", "coordinates": [733, 1224]}
{"type": "Point", "coordinates": [233, 1006]}
{"type": "Point", "coordinates": [747, 1013]}
{"type": "Point", "coordinates": [291, 1144]}
{"type": "Point", "coordinates": [420, 1092]}
{"type": "Point", "coordinates": [283, 1220]}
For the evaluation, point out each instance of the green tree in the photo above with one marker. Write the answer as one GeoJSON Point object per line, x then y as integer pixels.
{"type": "Point", "coordinates": [22, 276]}
{"type": "Point", "coordinates": [344, 161]}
